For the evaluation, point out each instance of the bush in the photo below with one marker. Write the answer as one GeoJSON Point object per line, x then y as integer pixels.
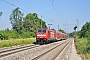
{"type": "Point", "coordinates": [83, 46]}
{"type": "Point", "coordinates": [1, 35]}
{"type": "Point", "coordinates": [11, 34]}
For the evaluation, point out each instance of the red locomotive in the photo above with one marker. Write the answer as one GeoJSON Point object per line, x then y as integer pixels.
{"type": "Point", "coordinates": [45, 35]}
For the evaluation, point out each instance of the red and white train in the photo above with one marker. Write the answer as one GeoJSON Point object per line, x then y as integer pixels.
{"type": "Point", "coordinates": [45, 35]}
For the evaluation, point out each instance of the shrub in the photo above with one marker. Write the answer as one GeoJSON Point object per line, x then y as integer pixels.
{"type": "Point", "coordinates": [9, 34]}
{"type": "Point", "coordinates": [83, 46]}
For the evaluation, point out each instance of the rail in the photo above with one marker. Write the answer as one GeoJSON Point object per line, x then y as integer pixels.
{"type": "Point", "coordinates": [63, 52]}
{"type": "Point", "coordinates": [66, 43]}
{"type": "Point", "coordinates": [6, 52]}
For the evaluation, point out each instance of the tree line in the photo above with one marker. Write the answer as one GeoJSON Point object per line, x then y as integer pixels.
{"type": "Point", "coordinates": [83, 41]}
{"type": "Point", "coordinates": [22, 27]}
{"type": "Point", "coordinates": [85, 31]}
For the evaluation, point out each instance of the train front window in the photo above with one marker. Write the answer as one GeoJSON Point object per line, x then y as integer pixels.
{"type": "Point", "coordinates": [44, 31]}
{"type": "Point", "coordinates": [39, 30]}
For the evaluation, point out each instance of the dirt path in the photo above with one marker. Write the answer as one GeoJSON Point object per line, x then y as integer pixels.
{"type": "Point", "coordinates": [74, 55]}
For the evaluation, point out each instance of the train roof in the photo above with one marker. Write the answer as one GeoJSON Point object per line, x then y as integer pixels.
{"type": "Point", "coordinates": [47, 28]}
{"type": "Point", "coordinates": [58, 32]}
{"type": "Point", "coordinates": [42, 28]}
{"type": "Point", "coordinates": [61, 32]}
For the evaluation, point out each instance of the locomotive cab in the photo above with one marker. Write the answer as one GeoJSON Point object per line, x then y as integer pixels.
{"type": "Point", "coordinates": [41, 35]}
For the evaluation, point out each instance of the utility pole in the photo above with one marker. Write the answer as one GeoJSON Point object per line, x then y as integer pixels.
{"type": "Point", "coordinates": [77, 25]}
{"type": "Point", "coordinates": [58, 26]}
{"type": "Point", "coordinates": [41, 21]}
{"type": "Point", "coordinates": [49, 25]}
{"type": "Point", "coordinates": [75, 33]}
{"type": "Point", "coordinates": [64, 28]}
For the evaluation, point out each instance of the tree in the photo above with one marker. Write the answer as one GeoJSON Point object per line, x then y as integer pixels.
{"type": "Point", "coordinates": [31, 23]}
{"type": "Point", "coordinates": [0, 13]}
{"type": "Point", "coordinates": [16, 20]}
{"type": "Point", "coordinates": [27, 25]}
{"type": "Point", "coordinates": [71, 34]}
{"type": "Point", "coordinates": [85, 30]}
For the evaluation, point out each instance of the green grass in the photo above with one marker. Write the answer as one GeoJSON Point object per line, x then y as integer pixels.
{"type": "Point", "coordinates": [15, 42]}
{"type": "Point", "coordinates": [83, 47]}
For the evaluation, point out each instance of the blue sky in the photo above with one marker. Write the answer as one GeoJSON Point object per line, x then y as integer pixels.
{"type": "Point", "coordinates": [69, 11]}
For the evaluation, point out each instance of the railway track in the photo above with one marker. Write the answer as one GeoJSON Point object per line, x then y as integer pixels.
{"type": "Point", "coordinates": [52, 54]}
{"type": "Point", "coordinates": [6, 52]}
{"type": "Point", "coordinates": [32, 52]}
{"type": "Point", "coordinates": [60, 55]}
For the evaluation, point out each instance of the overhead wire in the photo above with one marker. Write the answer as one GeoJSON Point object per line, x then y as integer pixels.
{"type": "Point", "coordinates": [30, 9]}
{"type": "Point", "coordinates": [61, 14]}
{"type": "Point", "coordinates": [55, 8]}
{"type": "Point", "coordinates": [70, 23]}
{"type": "Point", "coordinates": [13, 5]}
{"type": "Point", "coordinates": [58, 10]}
{"type": "Point", "coordinates": [23, 5]}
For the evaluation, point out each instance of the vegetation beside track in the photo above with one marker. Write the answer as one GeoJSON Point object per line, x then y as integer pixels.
{"type": "Point", "coordinates": [83, 47]}
{"type": "Point", "coordinates": [83, 41]}
{"type": "Point", "coordinates": [15, 42]}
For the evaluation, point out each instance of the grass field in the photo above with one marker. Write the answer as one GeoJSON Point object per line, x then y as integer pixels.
{"type": "Point", "coordinates": [15, 42]}
{"type": "Point", "coordinates": [83, 48]}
